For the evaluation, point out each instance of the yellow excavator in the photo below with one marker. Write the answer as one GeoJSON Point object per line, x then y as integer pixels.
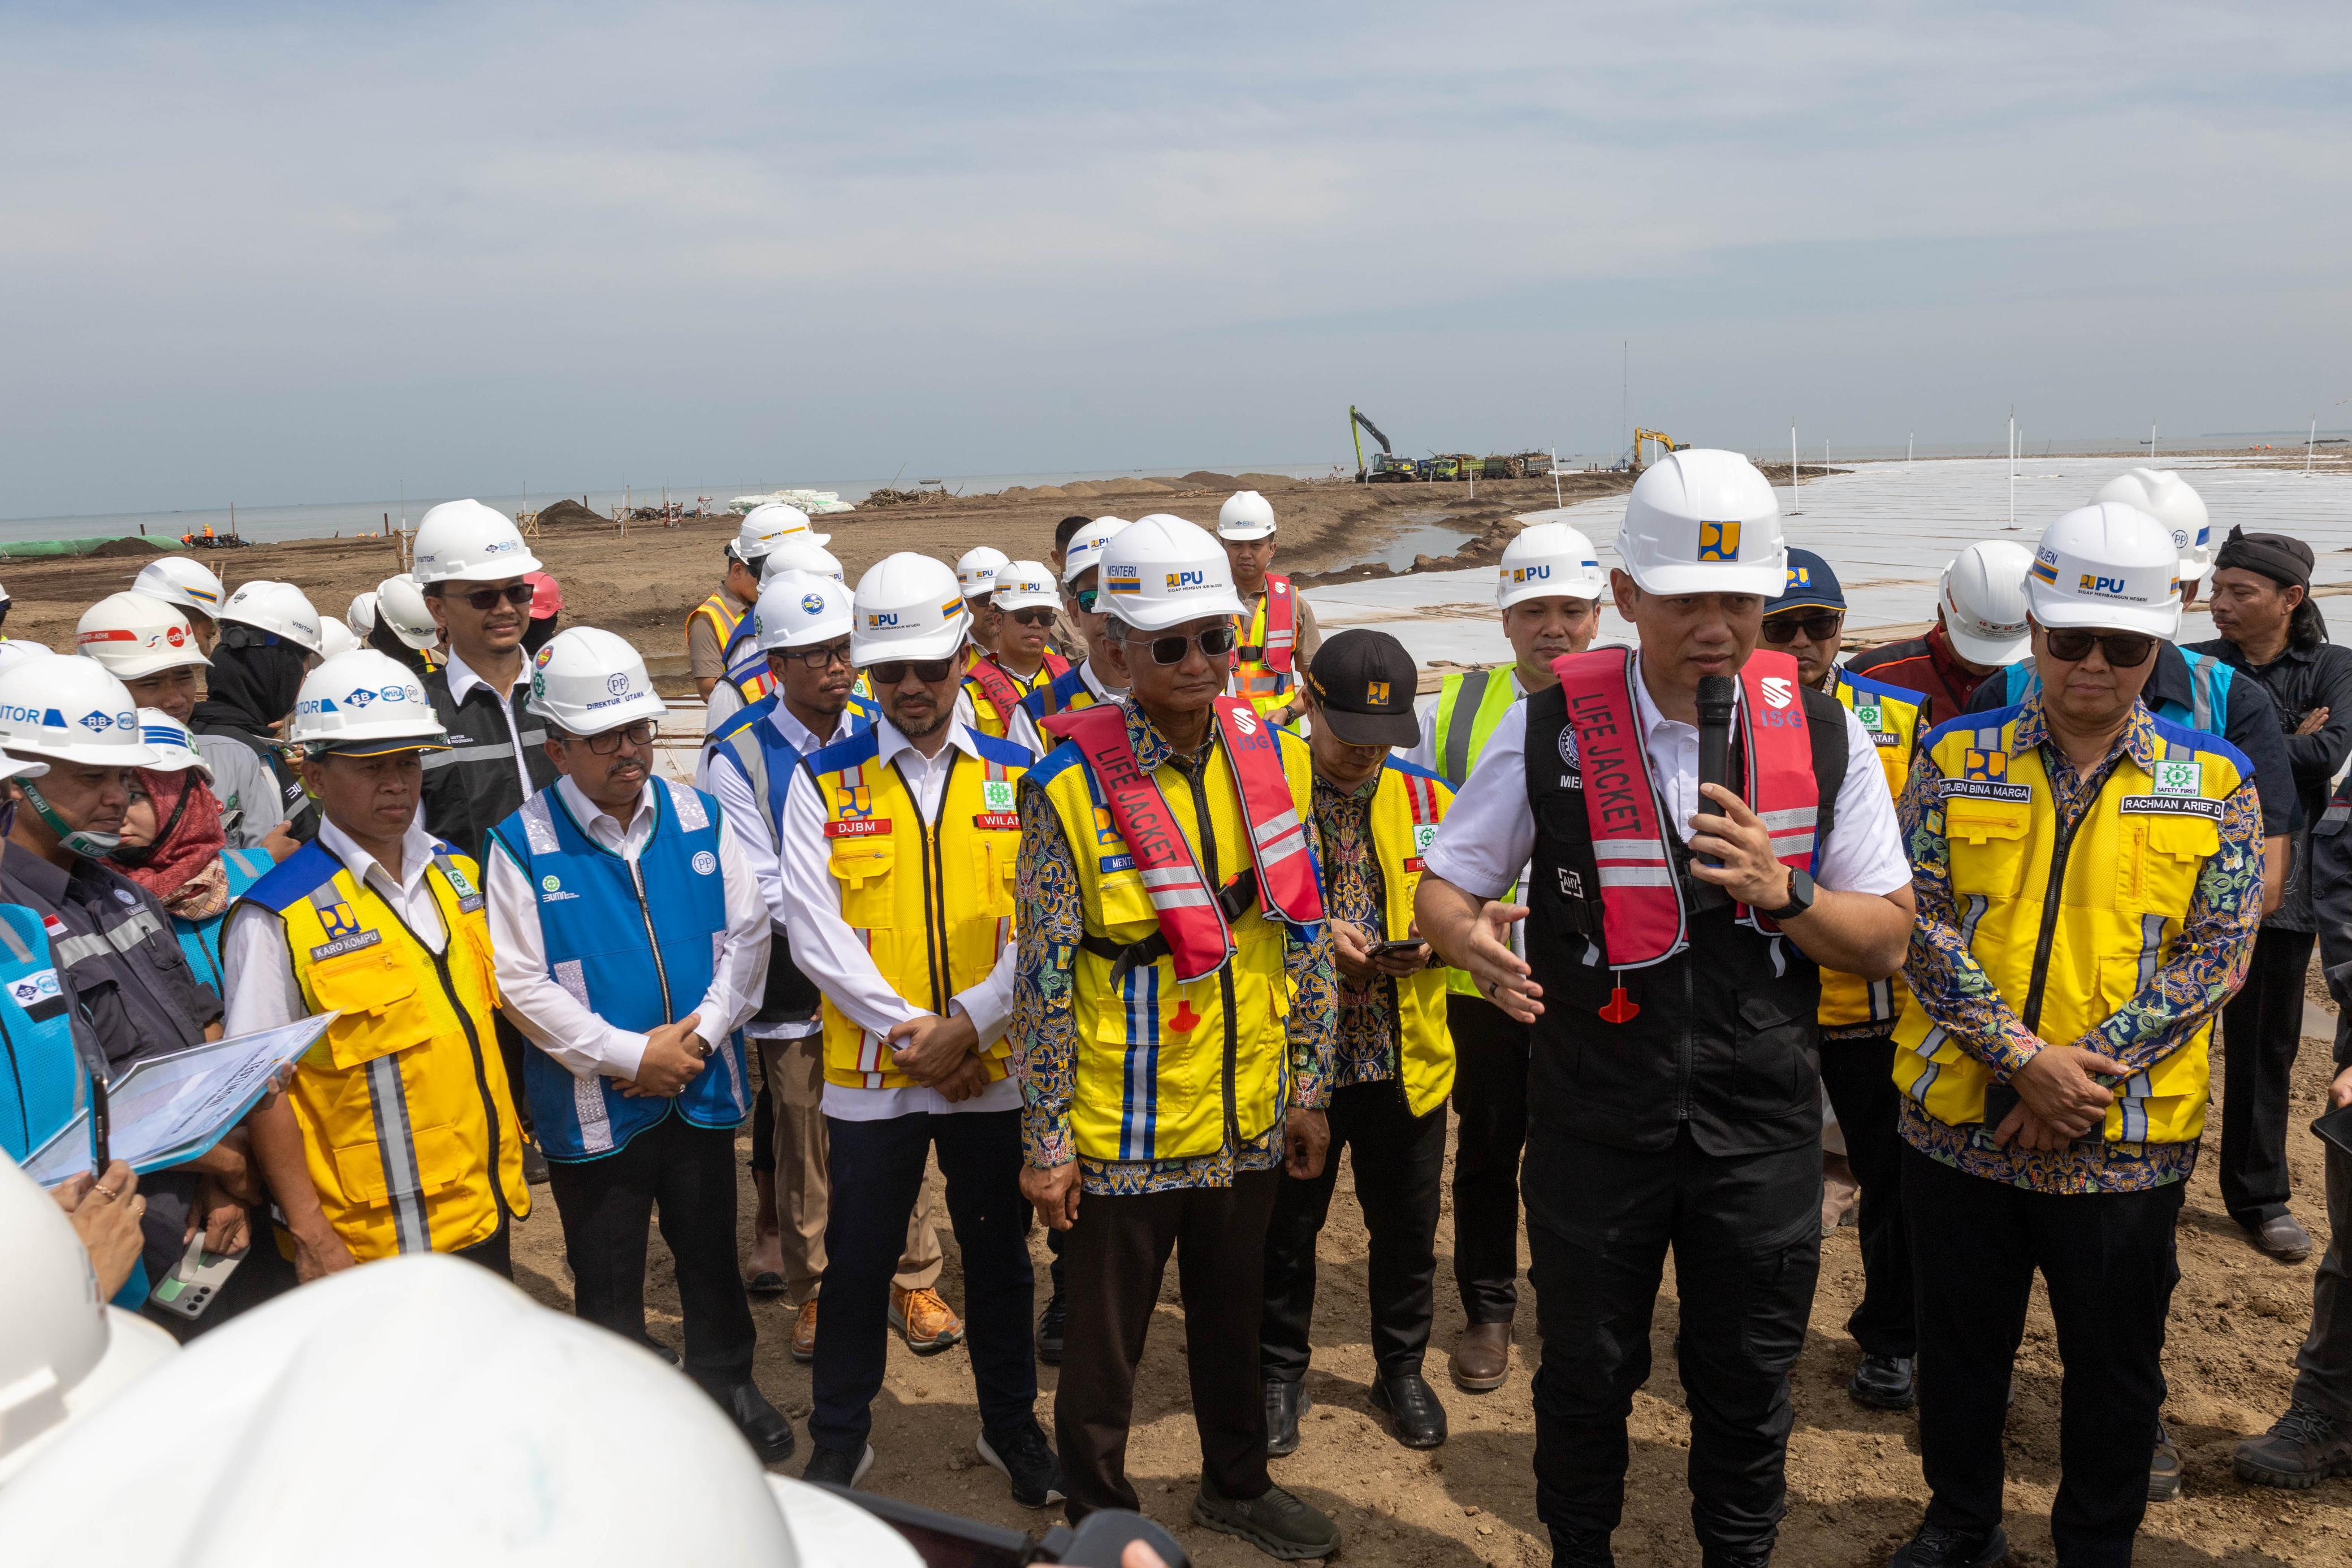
{"type": "Point", "coordinates": [1387, 468]}
{"type": "Point", "coordinates": [1666, 443]}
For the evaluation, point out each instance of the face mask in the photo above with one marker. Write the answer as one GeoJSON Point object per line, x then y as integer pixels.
{"type": "Point", "coordinates": [79, 841]}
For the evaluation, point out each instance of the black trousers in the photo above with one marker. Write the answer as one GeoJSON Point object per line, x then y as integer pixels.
{"type": "Point", "coordinates": [1860, 1077]}
{"type": "Point", "coordinates": [1118, 1252]}
{"type": "Point", "coordinates": [876, 1171]}
{"type": "Point", "coordinates": [2262, 1029]}
{"type": "Point", "coordinates": [2323, 1367]}
{"type": "Point", "coordinates": [1746, 1232]}
{"type": "Point", "coordinates": [1490, 1097]}
{"type": "Point", "coordinates": [2108, 1258]}
{"type": "Point", "coordinates": [1399, 1164]}
{"type": "Point", "coordinates": [685, 1174]}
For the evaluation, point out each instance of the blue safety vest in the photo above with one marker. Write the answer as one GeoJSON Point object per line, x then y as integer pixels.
{"type": "Point", "coordinates": [200, 939]}
{"type": "Point", "coordinates": [769, 763]}
{"type": "Point", "coordinates": [637, 947]}
{"type": "Point", "coordinates": [2208, 708]}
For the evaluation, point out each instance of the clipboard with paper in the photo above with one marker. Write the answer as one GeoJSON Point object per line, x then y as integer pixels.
{"type": "Point", "coordinates": [166, 1110]}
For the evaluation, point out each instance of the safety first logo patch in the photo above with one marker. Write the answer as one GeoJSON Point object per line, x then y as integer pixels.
{"type": "Point", "coordinates": [2180, 778]}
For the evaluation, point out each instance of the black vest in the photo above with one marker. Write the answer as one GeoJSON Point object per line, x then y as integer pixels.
{"type": "Point", "coordinates": [791, 996]}
{"type": "Point", "coordinates": [472, 787]}
{"type": "Point", "coordinates": [1726, 1038]}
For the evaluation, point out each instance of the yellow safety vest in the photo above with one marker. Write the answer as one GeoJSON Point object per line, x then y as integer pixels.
{"type": "Point", "coordinates": [1151, 1076]}
{"type": "Point", "coordinates": [2125, 886]}
{"type": "Point", "coordinates": [1406, 810]}
{"type": "Point", "coordinates": [404, 1100]}
{"type": "Point", "coordinates": [931, 902]}
{"type": "Point", "coordinates": [722, 616]}
{"type": "Point", "coordinates": [1891, 715]}
{"type": "Point", "coordinates": [1255, 681]}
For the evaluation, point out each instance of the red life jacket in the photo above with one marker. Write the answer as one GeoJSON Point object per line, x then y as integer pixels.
{"type": "Point", "coordinates": [1195, 925]}
{"type": "Point", "coordinates": [1643, 918]}
{"type": "Point", "coordinates": [1281, 607]}
{"type": "Point", "coordinates": [997, 685]}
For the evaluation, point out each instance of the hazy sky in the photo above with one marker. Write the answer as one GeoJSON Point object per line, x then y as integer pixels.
{"type": "Point", "coordinates": [305, 254]}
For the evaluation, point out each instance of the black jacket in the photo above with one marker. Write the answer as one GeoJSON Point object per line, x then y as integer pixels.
{"type": "Point", "coordinates": [2300, 682]}
{"type": "Point", "coordinates": [472, 787]}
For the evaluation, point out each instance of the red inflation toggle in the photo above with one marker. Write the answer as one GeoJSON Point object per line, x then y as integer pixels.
{"type": "Point", "coordinates": [1620, 1009]}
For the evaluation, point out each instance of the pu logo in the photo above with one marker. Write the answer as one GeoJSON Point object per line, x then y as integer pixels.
{"type": "Point", "coordinates": [340, 922]}
{"type": "Point", "coordinates": [1180, 581]}
{"type": "Point", "coordinates": [2112, 587]}
{"type": "Point", "coordinates": [878, 618]}
{"type": "Point", "coordinates": [1104, 832]}
{"type": "Point", "coordinates": [1990, 766]}
{"type": "Point", "coordinates": [853, 800]}
{"type": "Point", "coordinates": [1376, 692]}
{"type": "Point", "coordinates": [1779, 691]}
{"type": "Point", "coordinates": [1718, 541]}
{"type": "Point", "coordinates": [1799, 576]}
{"type": "Point", "coordinates": [1529, 573]}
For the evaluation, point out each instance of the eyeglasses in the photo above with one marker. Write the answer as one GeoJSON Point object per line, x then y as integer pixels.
{"type": "Point", "coordinates": [2124, 650]}
{"type": "Point", "coordinates": [1034, 616]}
{"type": "Point", "coordinates": [1823, 628]}
{"type": "Point", "coordinates": [819, 657]}
{"type": "Point", "coordinates": [930, 672]}
{"type": "Point", "coordinates": [1215, 642]}
{"type": "Point", "coordinates": [1084, 598]}
{"type": "Point", "coordinates": [640, 734]}
{"type": "Point", "coordinates": [488, 599]}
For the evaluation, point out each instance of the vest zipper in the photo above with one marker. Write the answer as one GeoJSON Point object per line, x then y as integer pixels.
{"type": "Point", "coordinates": [935, 921]}
{"type": "Point", "coordinates": [645, 912]}
{"type": "Point", "coordinates": [2031, 1017]}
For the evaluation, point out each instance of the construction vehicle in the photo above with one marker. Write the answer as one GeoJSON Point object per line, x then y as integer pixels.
{"type": "Point", "coordinates": [1666, 444]}
{"type": "Point", "coordinates": [1441, 467]}
{"type": "Point", "coordinates": [1387, 468]}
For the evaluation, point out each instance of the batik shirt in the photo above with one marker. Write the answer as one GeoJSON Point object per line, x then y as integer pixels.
{"type": "Point", "coordinates": [1354, 890]}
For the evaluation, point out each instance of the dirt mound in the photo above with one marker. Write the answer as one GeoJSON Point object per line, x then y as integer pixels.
{"type": "Point", "coordinates": [1135, 487]}
{"type": "Point", "coordinates": [129, 544]}
{"type": "Point", "coordinates": [1049, 493]}
{"type": "Point", "coordinates": [1082, 488]}
{"type": "Point", "coordinates": [569, 513]}
{"type": "Point", "coordinates": [1204, 479]}
{"type": "Point", "coordinates": [1267, 482]}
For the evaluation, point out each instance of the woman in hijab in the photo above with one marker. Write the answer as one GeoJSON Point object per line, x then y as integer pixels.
{"type": "Point", "coordinates": [173, 845]}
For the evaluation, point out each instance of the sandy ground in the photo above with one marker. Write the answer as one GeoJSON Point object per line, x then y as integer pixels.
{"type": "Point", "coordinates": [1856, 1490]}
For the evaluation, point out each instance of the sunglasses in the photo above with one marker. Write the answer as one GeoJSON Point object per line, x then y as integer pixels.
{"type": "Point", "coordinates": [1085, 599]}
{"type": "Point", "coordinates": [1216, 643]}
{"type": "Point", "coordinates": [819, 657]}
{"type": "Point", "coordinates": [930, 672]}
{"type": "Point", "coordinates": [1817, 627]}
{"type": "Point", "coordinates": [640, 734]}
{"type": "Point", "coordinates": [518, 595]}
{"type": "Point", "coordinates": [2124, 650]}
{"type": "Point", "coordinates": [1032, 616]}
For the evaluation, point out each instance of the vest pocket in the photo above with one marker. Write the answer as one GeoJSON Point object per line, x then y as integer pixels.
{"type": "Point", "coordinates": [377, 997]}
{"type": "Point", "coordinates": [995, 862]}
{"type": "Point", "coordinates": [863, 866]}
{"type": "Point", "coordinates": [1768, 1073]}
{"type": "Point", "coordinates": [1989, 847]}
{"type": "Point", "coordinates": [2161, 859]}
{"type": "Point", "coordinates": [442, 1160]}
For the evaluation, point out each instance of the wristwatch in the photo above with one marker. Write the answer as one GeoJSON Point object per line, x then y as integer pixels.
{"type": "Point", "coordinates": [1800, 899]}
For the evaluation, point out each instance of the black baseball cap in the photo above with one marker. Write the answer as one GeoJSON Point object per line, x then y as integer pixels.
{"type": "Point", "coordinates": [1365, 681]}
{"type": "Point", "coordinates": [1812, 585]}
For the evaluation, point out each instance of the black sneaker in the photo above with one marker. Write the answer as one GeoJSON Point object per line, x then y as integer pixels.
{"type": "Point", "coordinates": [2302, 1448]}
{"type": "Point", "coordinates": [1285, 1403]}
{"type": "Point", "coordinates": [1278, 1525]}
{"type": "Point", "coordinates": [1885, 1383]}
{"type": "Point", "coordinates": [1939, 1546]}
{"type": "Point", "coordinates": [2164, 1468]}
{"type": "Point", "coordinates": [838, 1466]}
{"type": "Point", "coordinates": [1026, 1460]}
{"type": "Point", "coordinates": [1581, 1548]}
{"type": "Point", "coordinates": [1051, 1324]}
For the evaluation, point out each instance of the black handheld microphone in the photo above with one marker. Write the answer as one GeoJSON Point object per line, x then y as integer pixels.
{"type": "Point", "coordinates": [1717, 695]}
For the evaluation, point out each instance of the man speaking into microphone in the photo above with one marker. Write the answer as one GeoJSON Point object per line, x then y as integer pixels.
{"type": "Point", "coordinates": [1675, 940]}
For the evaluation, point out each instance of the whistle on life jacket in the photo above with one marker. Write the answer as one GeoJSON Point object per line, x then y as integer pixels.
{"type": "Point", "coordinates": [1621, 1007]}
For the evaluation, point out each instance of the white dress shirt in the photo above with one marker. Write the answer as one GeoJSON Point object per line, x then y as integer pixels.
{"type": "Point", "coordinates": [560, 1023]}
{"type": "Point", "coordinates": [755, 835]}
{"type": "Point", "coordinates": [258, 968]}
{"type": "Point", "coordinates": [1023, 731]}
{"type": "Point", "coordinates": [1490, 831]}
{"type": "Point", "coordinates": [830, 954]}
{"type": "Point", "coordinates": [462, 679]}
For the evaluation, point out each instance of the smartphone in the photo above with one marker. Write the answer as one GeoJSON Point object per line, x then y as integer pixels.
{"type": "Point", "coordinates": [1390, 950]}
{"type": "Point", "coordinates": [2336, 1127]}
{"type": "Point", "coordinates": [195, 1280]}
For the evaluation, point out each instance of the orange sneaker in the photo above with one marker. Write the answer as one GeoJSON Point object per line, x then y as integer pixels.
{"type": "Point", "coordinates": [805, 1332]}
{"type": "Point", "coordinates": [929, 1324]}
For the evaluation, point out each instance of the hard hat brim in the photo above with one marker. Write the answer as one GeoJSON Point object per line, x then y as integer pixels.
{"type": "Point", "coordinates": [1242, 533]}
{"type": "Point", "coordinates": [823, 632]}
{"type": "Point", "coordinates": [1012, 599]}
{"type": "Point", "coordinates": [1764, 581]}
{"type": "Point", "coordinates": [629, 710]}
{"type": "Point", "coordinates": [140, 667]}
{"type": "Point", "coordinates": [941, 643]}
{"type": "Point", "coordinates": [1990, 651]}
{"type": "Point", "coordinates": [2063, 613]}
{"type": "Point", "coordinates": [379, 746]}
{"type": "Point", "coordinates": [139, 755]}
{"type": "Point", "coordinates": [522, 565]}
{"type": "Point", "coordinates": [21, 767]}
{"type": "Point", "coordinates": [1159, 614]}
{"type": "Point", "coordinates": [1592, 588]}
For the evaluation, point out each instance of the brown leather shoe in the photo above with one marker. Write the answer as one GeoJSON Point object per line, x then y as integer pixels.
{"type": "Point", "coordinates": [2281, 1236]}
{"type": "Point", "coordinates": [929, 1324]}
{"type": "Point", "coordinates": [805, 1332]}
{"type": "Point", "coordinates": [1482, 1357]}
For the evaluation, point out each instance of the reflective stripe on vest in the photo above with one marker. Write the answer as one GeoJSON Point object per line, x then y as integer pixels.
{"type": "Point", "coordinates": [995, 682]}
{"type": "Point", "coordinates": [721, 616]}
{"type": "Point", "coordinates": [747, 663]}
{"type": "Point", "coordinates": [1404, 816]}
{"type": "Point", "coordinates": [1198, 938]}
{"type": "Point", "coordinates": [1891, 716]}
{"type": "Point", "coordinates": [1263, 664]}
{"type": "Point", "coordinates": [1643, 920]}
{"type": "Point", "coordinates": [1489, 694]}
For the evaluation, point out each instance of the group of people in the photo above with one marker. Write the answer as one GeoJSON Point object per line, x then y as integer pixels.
{"type": "Point", "coordinates": [1109, 883]}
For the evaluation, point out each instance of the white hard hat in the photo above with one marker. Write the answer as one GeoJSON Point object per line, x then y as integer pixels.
{"type": "Point", "coordinates": [365, 704]}
{"type": "Point", "coordinates": [362, 614]}
{"type": "Point", "coordinates": [1547, 560]}
{"type": "Point", "coordinates": [1163, 571]}
{"type": "Point", "coordinates": [71, 711]}
{"type": "Point", "coordinates": [589, 680]}
{"type": "Point", "coordinates": [800, 555]}
{"type": "Point", "coordinates": [2167, 497]}
{"type": "Point", "coordinates": [400, 604]}
{"type": "Point", "coordinates": [174, 743]}
{"type": "Point", "coordinates": [16, 650]}
{"type": "Point", "coordinates": [176, 579]}
{"type": "Point", "coordinates": [66, 1352]}
{"type": "Point", "coordinates": [908, 606]}
{"type": "Point", "coordinates": [467, 539]}
{"type": "Point", "coordinates": [1246, 515]}
{"type": "Point", "coordinates": [798, 608]}
{"type": "Point", "coordinates": [2109, 567]}
{"type": "Point", "coordinates": [1085, 546]}
{"type": "Point", "coordinates": [976, 571]}
{"type": "Point", "coordinates": [279, 607]}
{"type": "Point", "coordinates": [334, 637]}
{"type": "Point", "coordinates": [1703, 521]}
{"type": "Point", "coordinates": [773, 524]}
{"type": "Point", "coordinates": [135, 634]}
{"type": "Point", "coordinates": [311, 1405]}
{"type": "Point", "coordinates": [1024, 584]}
{"type": "Point", "coordinates": [1982, 596]}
